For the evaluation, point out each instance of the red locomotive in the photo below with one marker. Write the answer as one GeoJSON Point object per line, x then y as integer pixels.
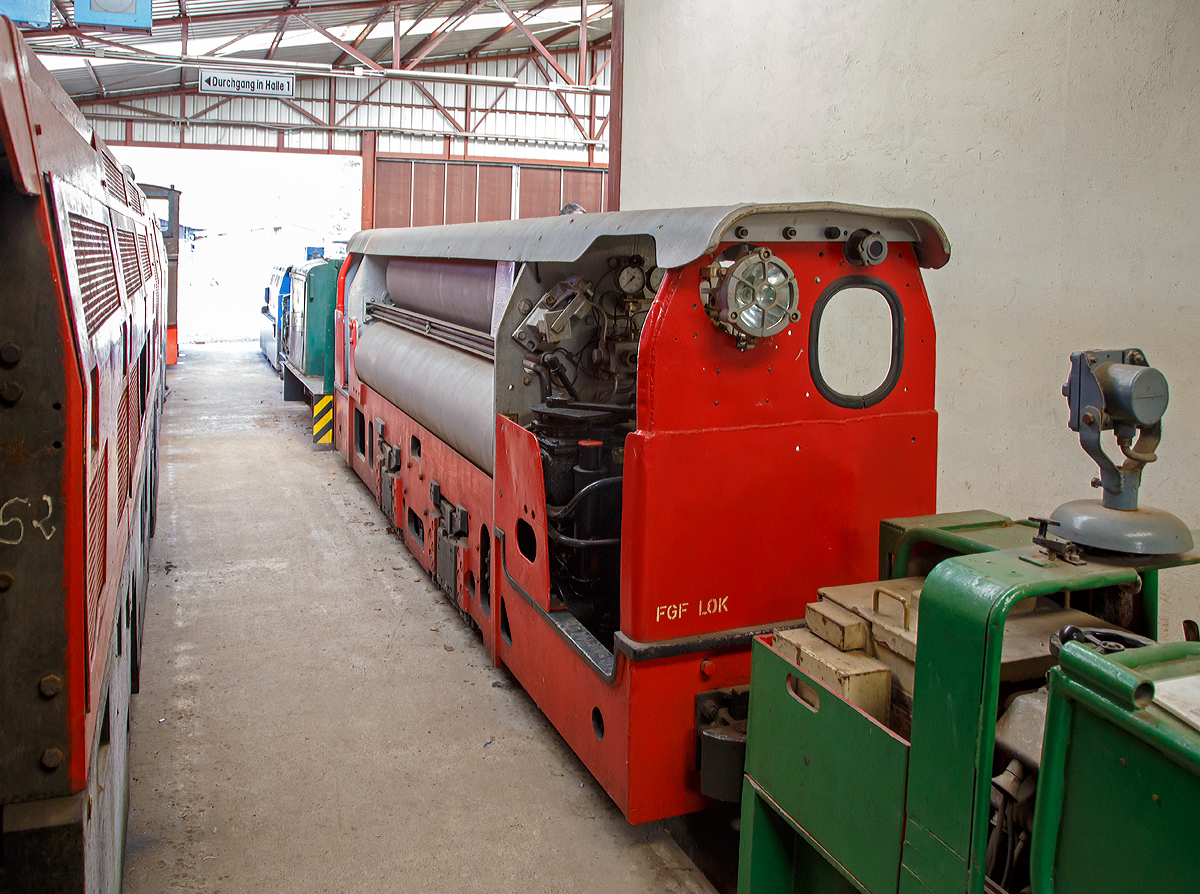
{"type": "Point", "coordinates": [81, 386]}
{"type": "Point", "coordinates": [626, 443]}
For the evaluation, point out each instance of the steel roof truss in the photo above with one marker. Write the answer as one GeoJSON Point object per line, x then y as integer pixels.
{"type": "Point", "coordinates": [430, 42]}
{"type": "Point", "coordinates": [338, 42]}
{"type": "Point", "coordinates": [537, 44]}
{"type": "Point", "coordinates": [562, 99]}
{"type": "Point", "coordinates": [500, 95]}
{"type": "Point", "coordinates": [441, 108]}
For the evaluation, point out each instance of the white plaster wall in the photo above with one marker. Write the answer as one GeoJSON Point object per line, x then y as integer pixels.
{"type": "Point", "coordinates": [1056, 142]}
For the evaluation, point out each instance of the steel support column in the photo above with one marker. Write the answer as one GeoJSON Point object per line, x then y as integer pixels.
{"type": "Point", "coordinates": [616, 89]}
{"type": "Point", "coordinates": [368, 179]}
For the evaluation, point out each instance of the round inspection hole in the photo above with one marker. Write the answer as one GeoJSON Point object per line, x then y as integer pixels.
{"type": "Point", "coordinates": [597, 723]}
{"type": "Point", "coordinates": [57, 405]}
{"type": "Point", "coordinates": [527, 540]}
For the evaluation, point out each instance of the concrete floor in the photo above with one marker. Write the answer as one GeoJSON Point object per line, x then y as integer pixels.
{"type": "Point", "coordinates": [313, 717]}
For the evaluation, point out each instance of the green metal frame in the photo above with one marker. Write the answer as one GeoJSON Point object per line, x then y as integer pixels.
{"type": "Point", "coordinates": [944, 792]}
{"type": "Point", "coordinates": [813, 768]}
{"type": "Point", "coordinates": [1126, 774]}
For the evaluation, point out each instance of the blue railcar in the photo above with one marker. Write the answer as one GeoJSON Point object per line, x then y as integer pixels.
{"type": "Point", "coordinates": [273, 334]}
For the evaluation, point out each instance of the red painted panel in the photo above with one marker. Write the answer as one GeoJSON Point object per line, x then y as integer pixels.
{"type": "Point", "coordinates": [393, 193]}
{"type": "Point", "coordinates": [429, 194]}
{"type": "Point", "coordinates": [745, 489]}
{"type": "Point", "coordinates": [495, 192]}
{"type": "Point", "coordinates": [663, 780]}
{"type": "Point", "coordinates": [460, 193]}
{"type": "Point", "coordinates": [733, 527]}
{"type": "Point", "coordinates": [566, 690]}
{"type": "Point", "coordinates": [692, 377]}
{"type": "Point", "coordinates": [521, 497]}
{"type": "Point", "coordinates": [541, 192]}
{"type": "Point", "coordinates": [583, 187]}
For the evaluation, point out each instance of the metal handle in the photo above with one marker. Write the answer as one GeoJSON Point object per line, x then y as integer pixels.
{"type": "Point", "coordinates": [886, 592]}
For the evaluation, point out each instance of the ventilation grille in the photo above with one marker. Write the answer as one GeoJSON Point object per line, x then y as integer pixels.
{"type": "Point", "coordinates": [130, 268]}
{"type": "Point", "coordinates": [122, 454]}
{"type": "Point", "coordinates": [114, 179]}
{"type": "Point", "coordinates": [136, 399]}
{"type": "Point", "coordinates": [97, 545]}
{"type": "Point", "coordinates": [144, 255]}
{"type": "Point", "coordinates": [135, 198]}
{"type": "Point", "coordinates": [97, 276]}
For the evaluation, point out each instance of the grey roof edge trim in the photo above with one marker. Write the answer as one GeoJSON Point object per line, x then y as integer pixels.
{"type": "Point", "coordinates": [680, 234]}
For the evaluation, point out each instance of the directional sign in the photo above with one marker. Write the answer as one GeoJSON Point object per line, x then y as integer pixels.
{"type": "Point", "coordinates": [246, 83]}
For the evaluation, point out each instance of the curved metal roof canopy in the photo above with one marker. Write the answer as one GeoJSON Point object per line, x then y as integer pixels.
{"type": "Point", "coordinates": [680, 234]}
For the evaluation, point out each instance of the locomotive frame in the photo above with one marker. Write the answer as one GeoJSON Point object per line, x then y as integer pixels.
{"type": "Point", "coordinates": [82, 313]}
{"type": "Point", "coordinates": [449, 410]}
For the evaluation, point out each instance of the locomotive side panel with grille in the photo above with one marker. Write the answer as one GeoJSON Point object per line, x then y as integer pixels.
{"type": "Point", "coordinates": [97, 275]}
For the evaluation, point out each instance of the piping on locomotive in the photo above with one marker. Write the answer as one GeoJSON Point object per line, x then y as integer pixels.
{"type": "Point", "coordinates": [612, 440]}
{"type": "Point", "coordinates": [82, 318]}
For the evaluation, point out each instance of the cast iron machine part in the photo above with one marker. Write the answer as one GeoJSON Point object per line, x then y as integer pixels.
{"type": "Point", "coordinates": [1118, 391]}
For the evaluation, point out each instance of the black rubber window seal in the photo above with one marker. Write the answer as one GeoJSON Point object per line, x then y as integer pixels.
{"type": "Point", "coordinates": [857, 401]}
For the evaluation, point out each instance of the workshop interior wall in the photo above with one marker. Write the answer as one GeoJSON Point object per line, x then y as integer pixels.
{"type": "Point", "coordinates": [1056, 143]}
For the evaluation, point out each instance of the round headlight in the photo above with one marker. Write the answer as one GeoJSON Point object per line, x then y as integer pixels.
{"type": "Point", "coordinates": [759, 295]}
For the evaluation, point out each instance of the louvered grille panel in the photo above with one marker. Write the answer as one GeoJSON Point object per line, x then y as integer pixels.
{"type": "Point", "coordinates": [97, 275]}
{"type": "Point", "coordinates": [114, 179]}
{"type": "Point", "coordinates": [130, 268]}
{"type": "Point", "coordinates": [135, 198]}
{"type": "Point", "coordinates": [97, 545]}
{"type": "Point", "coordinates": [144, 255]}
{"type": "Point", "coordinates": [123, 455]}
{"type": "Point", "coordinates": [135, 412]}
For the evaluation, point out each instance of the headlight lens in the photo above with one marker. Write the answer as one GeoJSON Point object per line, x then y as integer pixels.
{"type": "Point", "coordinates": [759, 295]}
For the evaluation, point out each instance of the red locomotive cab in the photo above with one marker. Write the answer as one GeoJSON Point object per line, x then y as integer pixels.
{"type": "Point", "coordinates": [625, 443]}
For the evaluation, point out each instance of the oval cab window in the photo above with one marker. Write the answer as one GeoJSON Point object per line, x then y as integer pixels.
{"type": "Point", "coordinates": [856, 341]}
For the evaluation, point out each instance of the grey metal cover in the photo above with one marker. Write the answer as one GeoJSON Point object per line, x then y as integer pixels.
{"type": "Point", "coordinates": [680, 234]}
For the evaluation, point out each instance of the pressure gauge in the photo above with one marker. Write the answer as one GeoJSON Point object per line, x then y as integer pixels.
{"type": "Point", "coordinates": [631, 280]}
{"type": "Point", "coordinates": [656, 278]}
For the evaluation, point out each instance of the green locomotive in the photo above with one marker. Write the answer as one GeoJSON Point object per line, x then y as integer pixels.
{"type": "Point", "coordinates": [1033, 738]}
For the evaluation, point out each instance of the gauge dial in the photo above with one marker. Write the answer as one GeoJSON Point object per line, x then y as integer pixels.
{"type": "Point", "coordinates": [631, 280]}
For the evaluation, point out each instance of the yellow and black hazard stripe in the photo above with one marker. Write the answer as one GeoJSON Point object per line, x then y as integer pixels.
{"type": "Point", "coordinates": [323, 419]}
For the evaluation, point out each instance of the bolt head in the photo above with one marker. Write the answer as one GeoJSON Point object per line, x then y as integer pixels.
{"type": "Point", "coordinates": [6, 581]}
{"type": "Point", "coordinates": [51, 758]}
{"type": "Point", "coordinates": [707, 668]}
{"type": "Point", "coordinates": [10, 354]}
{"type": "Point", "coordinates": [50, 685]}
{"type": "Point", "coordinates": [1088, 419]}
{"type": "Point", "coordinates": [10, 392]}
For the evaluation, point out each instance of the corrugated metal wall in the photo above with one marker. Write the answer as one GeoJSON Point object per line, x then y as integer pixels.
{"type": "Point", "coordinates": [418, 193]}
